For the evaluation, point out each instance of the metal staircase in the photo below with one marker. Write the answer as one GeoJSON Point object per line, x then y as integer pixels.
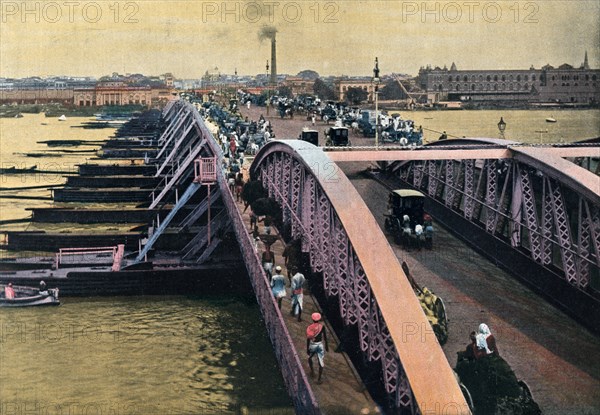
{"type": "Point", "coordinates": [191, 191]}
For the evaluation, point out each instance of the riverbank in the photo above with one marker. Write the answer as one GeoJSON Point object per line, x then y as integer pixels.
{"type": "Point", "coordinates": [57, 109]}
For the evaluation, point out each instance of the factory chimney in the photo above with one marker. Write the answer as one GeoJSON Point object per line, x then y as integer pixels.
{"type": "Point", "coordinates": [273, 61]}
{"type": "Point", "coordinates": [268, 32]}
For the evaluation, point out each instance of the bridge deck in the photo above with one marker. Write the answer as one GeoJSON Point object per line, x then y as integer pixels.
{"type": "Point", "coordinates": [558, 358]}
{"type": "Point", "coordinates": [555, 356]}
{"type": "Point", "coordinates": [342, 391]}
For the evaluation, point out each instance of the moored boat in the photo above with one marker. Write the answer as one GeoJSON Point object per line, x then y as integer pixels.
{"type": "Point", "coordinates": [29, 297]}
{"type": "Point", "coordinates": [550, 119]}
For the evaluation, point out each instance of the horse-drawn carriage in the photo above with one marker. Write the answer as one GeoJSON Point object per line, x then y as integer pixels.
{"type": "Point", "coordinates": [405, 218]}
{"type": "Point", "coordinates": [311, 136]}
{"type": "Point", "coordinates": [337, 136]}
{"type": "Point", "coordinates": [432, 305]}
{"type": "Point", "coordinates": [490, 386]}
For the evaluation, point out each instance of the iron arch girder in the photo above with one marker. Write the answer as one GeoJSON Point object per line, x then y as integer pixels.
{"type": "Point", "coordinates": [582, 181]}
{"type": "Point", "coordinates": [419, 353]}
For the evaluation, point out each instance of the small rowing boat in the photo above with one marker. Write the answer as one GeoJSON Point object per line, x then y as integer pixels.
{"type": "Point", "coordinates": [29, 296]}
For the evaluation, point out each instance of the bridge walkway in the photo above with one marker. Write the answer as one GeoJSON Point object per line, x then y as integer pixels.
{"type": "Point", "coordinates": [342, 391]}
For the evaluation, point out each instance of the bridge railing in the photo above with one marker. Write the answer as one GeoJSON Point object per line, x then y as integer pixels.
{"type": "Point", "coordinates": [85, 253]}
{"type": "Point", "coordinates": [289, 362]}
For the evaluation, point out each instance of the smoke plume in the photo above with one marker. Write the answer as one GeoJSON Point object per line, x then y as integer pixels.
{"type": "Point", "coordinates": [267, 32]}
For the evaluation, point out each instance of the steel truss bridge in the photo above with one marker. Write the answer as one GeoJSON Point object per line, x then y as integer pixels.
{"type": "Point", "coordinates": [532, 200]}
{"type": "Point", "coordinates": [538, 205]}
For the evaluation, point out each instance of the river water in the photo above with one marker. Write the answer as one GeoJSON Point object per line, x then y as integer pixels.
{"type": "Point", "coordinates": [127, 355]}
{"type": "Point", "coordinates": [527, 126]}
{"type": "Point", "coordinates": [138, 355]}
{"type": "Point", "coordinates": [169, 355]}
{"type": "Point", "coordinates": [19, 148]}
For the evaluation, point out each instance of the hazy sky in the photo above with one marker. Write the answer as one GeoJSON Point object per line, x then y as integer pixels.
{"type": "Point", "coordinates": [80, 37]}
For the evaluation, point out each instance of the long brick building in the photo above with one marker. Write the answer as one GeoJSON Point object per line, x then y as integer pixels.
{"type": "Point", "coordinates": [89, 93]}
{"type": "Point", "coordinates": [566, 85]}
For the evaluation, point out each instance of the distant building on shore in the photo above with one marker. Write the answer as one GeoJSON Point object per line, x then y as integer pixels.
{"type": "Point", "coordinates": [133, 89]}
{"type": "Point", "coordinates": [119, 93]}
{"type": "Point", "coordinates": [565, 85]}
{"type": "Point", "coordinates": [300, 85]}
{"type": "Point", "coordinates": [366, 84]}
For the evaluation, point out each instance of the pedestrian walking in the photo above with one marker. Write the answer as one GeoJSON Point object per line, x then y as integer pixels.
{"type": "Point", "coordinates": [239, 184]}
{"type": "Point", "coordinates": [316, 344]}
{"type": "Point", "coordinates": [267, 222]}
{"type": "Point", "coordinates": [278, 285]}
{"type": "Point", "coordinates": [297, 287]}
{"type": "Point", "coordinates": [268, 260]}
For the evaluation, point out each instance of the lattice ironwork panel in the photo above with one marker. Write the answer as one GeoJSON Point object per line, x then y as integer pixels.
{"type": "Point", "coordinates": [322, 229]}
{"type": "Point", "coordinates": [459, 181]}
{"type": "Point", "coordinates": [490, 196]}
{"type": "Point", "coordinates": [505, 197]}
{"type": "Point", "coordinates": [349, 297]}
{"type": "Point", "coordinates": [285, 185]}
{"type": "Point", "coordinates": [433, 179]}
{"type": "Point", "coordinates": [547, 224]}
{"type": "Point", "coordinates": [327, 248]}
{"type": "Point", "coordinates": [309, 208]}
{"type": "Point", "coordinates": [449, 184]}
{"type": "Point", "coordinates": [516, 209]}
{"type": "Point", "coordinates": [270, 174]}
{"type": "Point", "coordinates": [531, 219]}
{"type": "Point", "coordinates": [405, 171]}
{"type": "Point", "coordinates": [417, 173]}
{"type": "Point", "coordinates": [363, 305]}
{"type": "Point", "coordinates": [345, 273]}
{"type": "Point", "coordinates": [404, 397]}
{"type": "Point", "coordinates": [561, 220]}
{"type": "Point", "coordinates": [374, 330]}
{"type": "Point", "coordinates": [584, 245]}
{"type": "Point", "coordinates": [297, 173]}
{"type": "Point", "coordinates": [352, 292]}
{"type": "Point", "coordinates": [334, 255]}
{"type": "Point", "coordinates": [469, 189]}
{"type": "Point", "coordinates": [593, 213]}
{"type": "Point", "coordinates": [390, 362]}
{"type": "Point", "coordinates": [441, 179]}
{"type": "Point", "coordinates": [284, 178]}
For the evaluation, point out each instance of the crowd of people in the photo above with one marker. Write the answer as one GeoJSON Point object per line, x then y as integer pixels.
{"type": "Point", "coordinates": [316, 337]}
